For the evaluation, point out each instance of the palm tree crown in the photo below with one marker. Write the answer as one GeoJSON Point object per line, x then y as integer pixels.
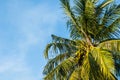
{"type": "Point", "coordinates": [93, 50]}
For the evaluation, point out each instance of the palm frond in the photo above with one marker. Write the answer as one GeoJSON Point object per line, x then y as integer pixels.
{"type": "Point", "coordinates": [52, 63]}
{"type": "Point", "coordinates": [70, 14]}
{"type": "Point", "coordinates": [110, 44]}
{"type": "Point", "coordinates": [111, 13]}
{"type": "Point", "coordinates": [62, 69]}
{"type": "Point", "coordinates": [75, 74]}
{"type": "Point", "coordinates": [100, 8]}
{"type": "Point", "coordinates": [88, 70]}
{"type": "Point", "coordinates": [74, 33]}
{"type": "Point", "coordinates": [105, 61]}
{"type": "Point", "coordinates": [62, 40]}
{"type": "Point", "coordinates": [79, 7]}
{"type": "Point", "coordinates": [68, 11]}
{"type": "Point", "coordinates": [114, 47]}
{"type": "Point", "coordinates": [104, 3]}
{"type": "Point", "coordinates": [57, 48]}
{"type": "Point", "coordinates": [109, 21]}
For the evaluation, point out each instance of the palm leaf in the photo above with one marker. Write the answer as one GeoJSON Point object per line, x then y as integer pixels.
{"type": "Point", "coordinates": [52, 63]}
{"type": "Point", "coordinates": [105, 61]}
{"type": "Point", "coordinates": [110, 23]}
{"type": "Point", "coordinates": [56, 48]}
{"type": "Point", "coordinates": [110, 44]}
{"type": "Point", "coordinates": [62, 69]}
{"type": "Point", "coordinates": [75, 75]}
{"type": "Point", "coordinates": [70, 14]}
{"type": "Point", "coordinates": [62, 40]}
{"type": "Point", "coordinates": [114, 47]}
{"type": "Point", "coordinates": [104, 3]}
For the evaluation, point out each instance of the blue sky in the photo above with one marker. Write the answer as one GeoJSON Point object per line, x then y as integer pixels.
{"type": "Point", "coordinates": [25, 29]}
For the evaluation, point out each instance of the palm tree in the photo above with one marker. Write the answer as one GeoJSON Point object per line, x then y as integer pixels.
{"type": "Point", "coordinates": [93, 50]}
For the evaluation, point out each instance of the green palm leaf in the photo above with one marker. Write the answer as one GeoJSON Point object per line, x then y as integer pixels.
{"type": "Point", "coordinates": [62, 69]}
{"type": "Point", "coordinates": [56, 48]}
{"type": "Point", "coordinates": [52, 63]}
{"type": "Point", "coordinates": [114, 47]}
{"type": "Point", "coordinates": [105, 61]}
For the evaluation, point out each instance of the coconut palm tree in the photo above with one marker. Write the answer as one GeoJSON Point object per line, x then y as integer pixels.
{"type": "Point", "coordinates": [93, 50]}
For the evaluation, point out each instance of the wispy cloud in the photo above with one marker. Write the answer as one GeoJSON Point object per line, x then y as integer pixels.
{"type": "Point", "coordinates": [15, 68]}
{"type": "Point", "coordinates": [33, 25]}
